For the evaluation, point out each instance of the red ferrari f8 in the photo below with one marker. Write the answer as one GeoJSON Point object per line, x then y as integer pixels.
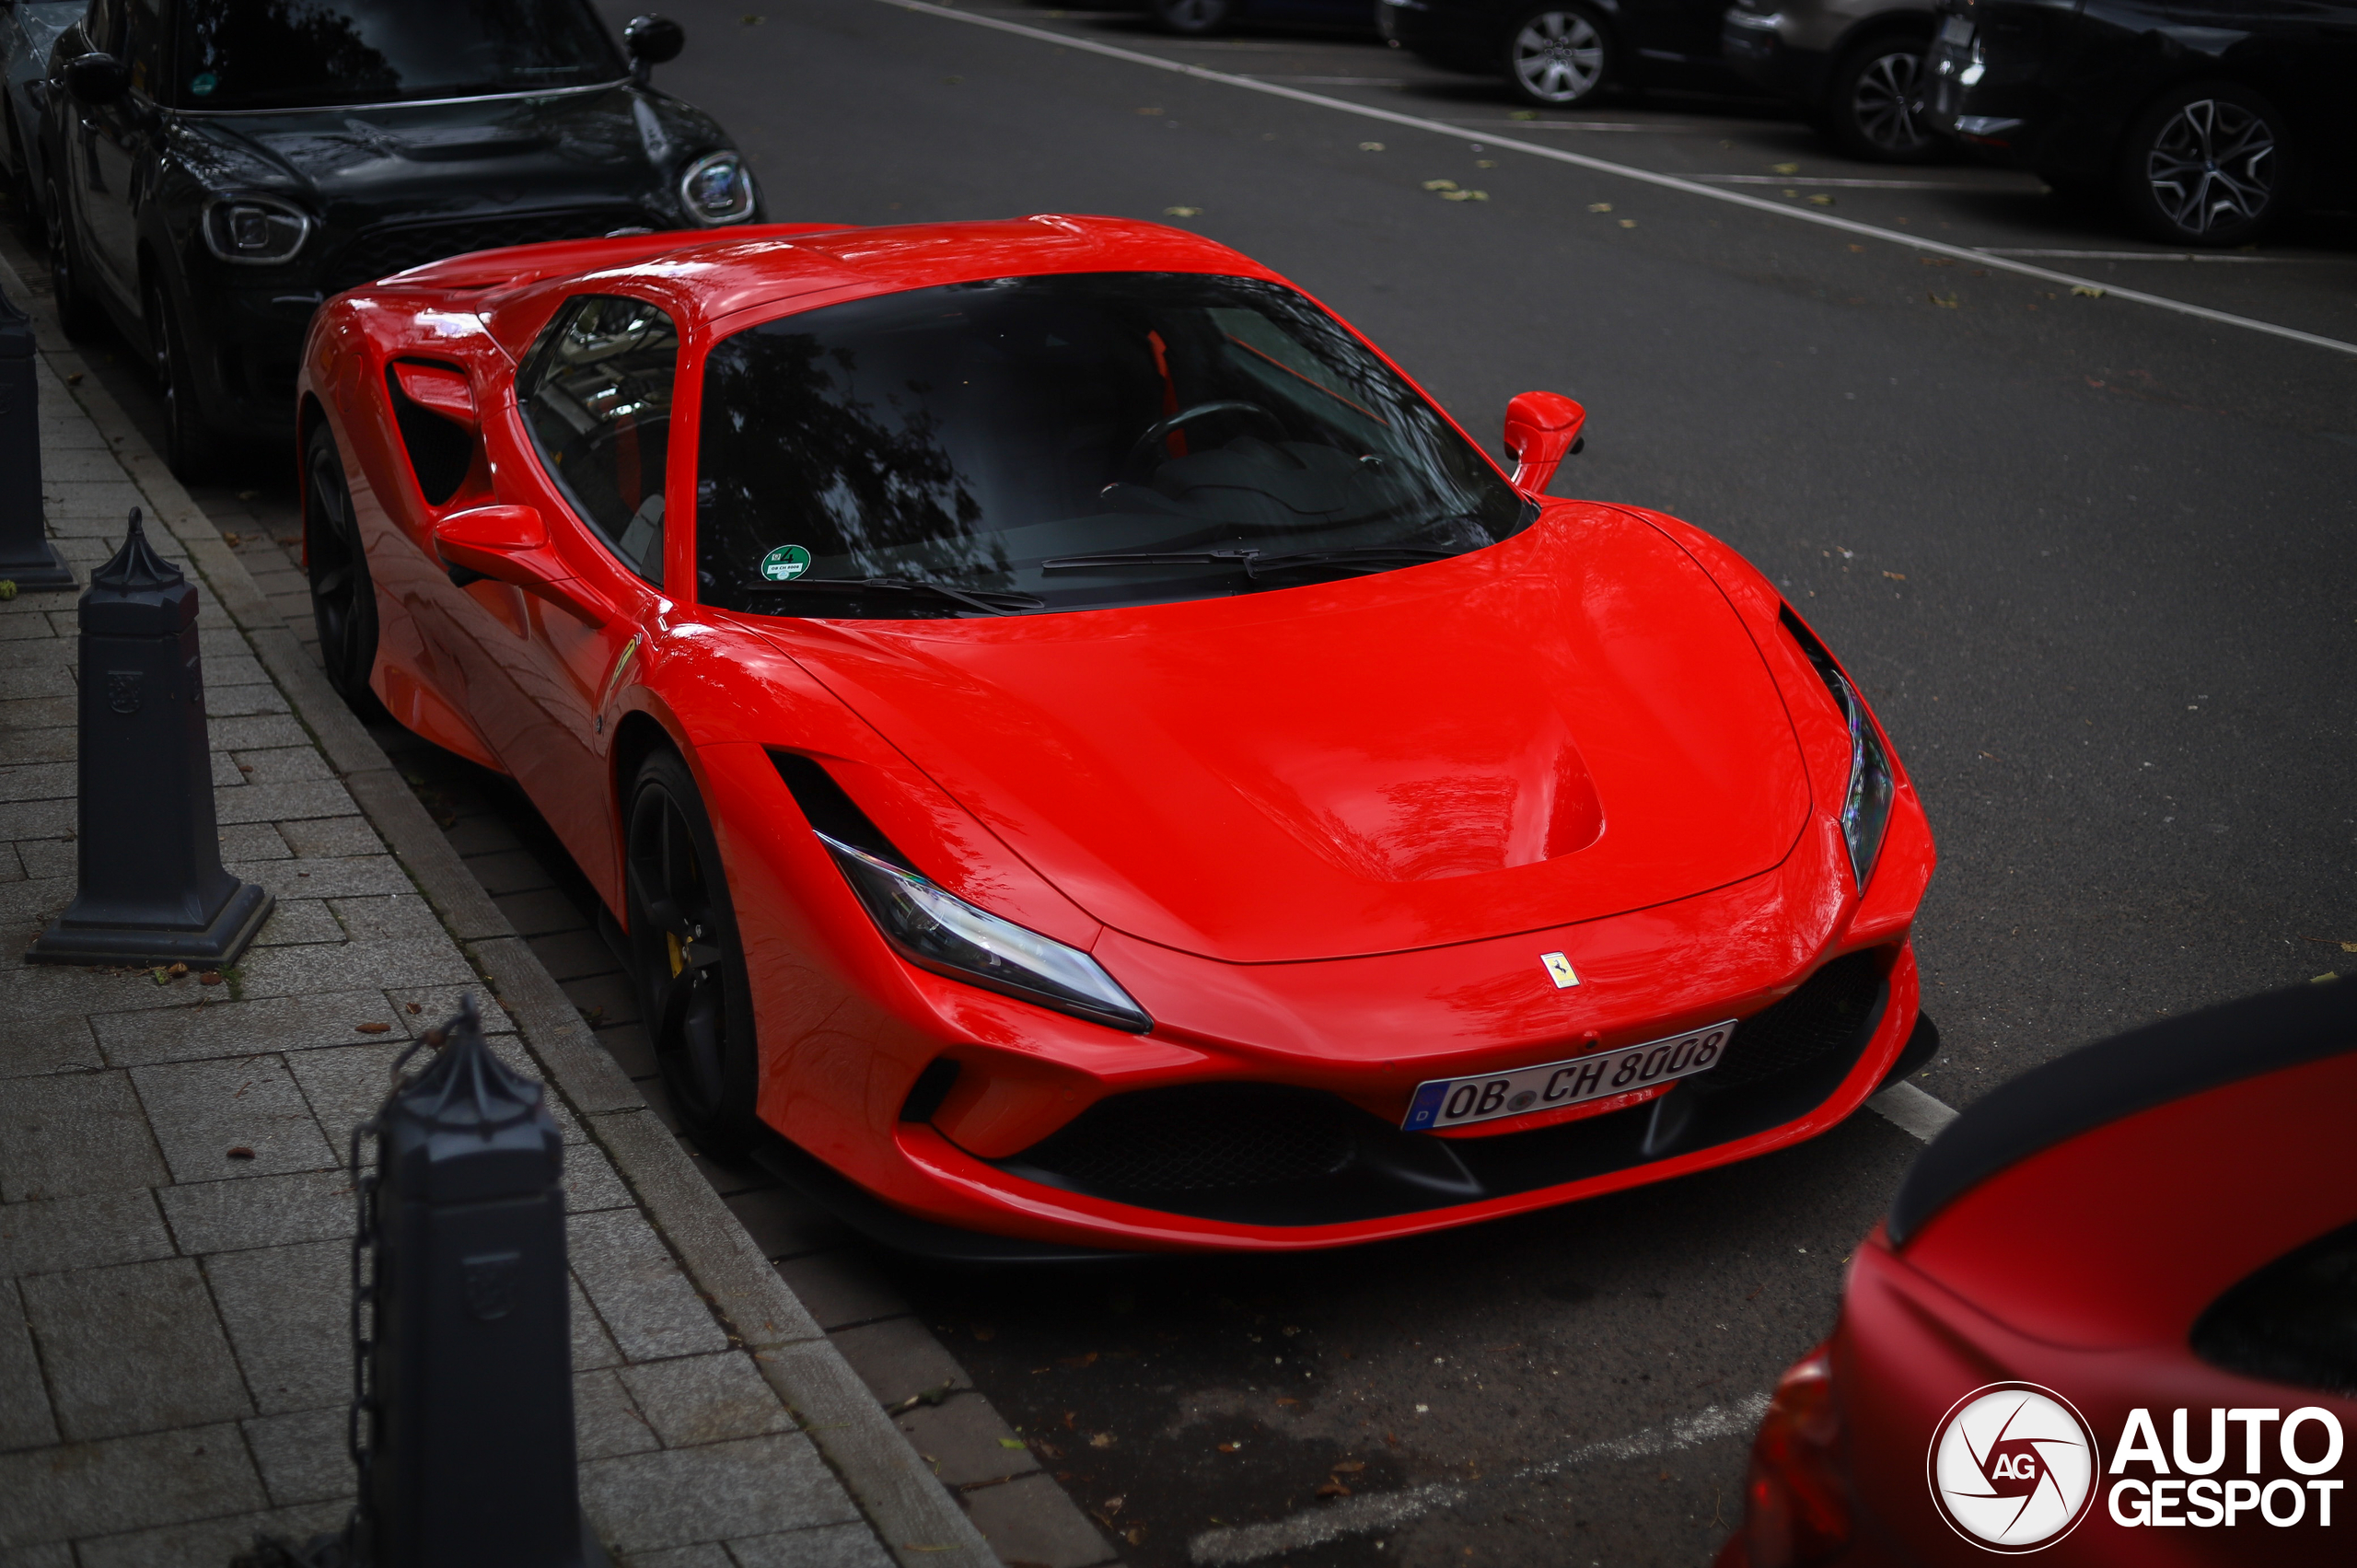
{"type": "Point", "coordinates": [1087, 756]}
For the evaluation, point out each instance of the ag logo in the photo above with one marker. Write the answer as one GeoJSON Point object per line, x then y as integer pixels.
{"type": "Point", "coordinates": [786, 563]}
{"type": "Point", "coordinates": [2013, 1468]}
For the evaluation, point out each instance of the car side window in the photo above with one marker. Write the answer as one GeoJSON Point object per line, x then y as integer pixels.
{"type": "Point", "coordinates": [597, 393]}
{"type": "Point", "coordinates": [143, 47]}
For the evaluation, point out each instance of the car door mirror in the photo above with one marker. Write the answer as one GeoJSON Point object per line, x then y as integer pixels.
{"type": "Point", "coordinates": [650, 42]}
{"type": "Point", "coordinates": [510, 544]}
{"type": "Point", "coordinates": [96, 79]}
{"type": "Point", "coordinates": [1542, 429]}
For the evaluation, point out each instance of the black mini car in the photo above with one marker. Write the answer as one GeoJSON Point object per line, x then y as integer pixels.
{"type": "Point", "coordinates": [217, 168]}
{"type": "Point", "coordinates": [2207, 118]}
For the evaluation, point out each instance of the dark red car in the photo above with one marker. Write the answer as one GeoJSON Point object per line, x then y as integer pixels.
{"type": "Point", "coordinates": [2111, 1319]}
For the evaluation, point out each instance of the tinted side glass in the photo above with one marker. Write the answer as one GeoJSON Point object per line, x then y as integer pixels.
{"type": "Point", "coordinates": [2294, 1321]}
{"type": "Point", "coordinates": [597, 393]}
{"type": "Point", "coordinates": [143, 48]}
{"type": "Point", "coordinates": [289, 53]}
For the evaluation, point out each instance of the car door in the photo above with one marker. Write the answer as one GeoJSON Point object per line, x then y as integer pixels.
{"type": "Point", "coordinates": [592, 413]}
{"type": "Point", "coordinates": [116, 169]}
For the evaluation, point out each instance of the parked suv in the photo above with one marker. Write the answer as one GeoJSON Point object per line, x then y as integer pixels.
{"type": "Point", "coordinates": [1850, 66]}
{"type": "Point", "coordinates": [216, 168]}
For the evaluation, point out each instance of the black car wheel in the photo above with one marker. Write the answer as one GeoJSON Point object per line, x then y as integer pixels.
{"type": "Point", "coordinates": [1193, 18]}
{"type": "Point", "coordinates": [188, 444]}
{"type": "Point", "coordinates": [343, 599]}
{"type": "Point", "coordinates": [694, 999]}
{"type": "Point", "coordinates": [1871, 111]}
{"type": "Point", "coordinates": [1558, 56]}
{"type": "Point", "coordinates": [77, 313]}
{"type": "Point", "coordinates": [2205, 164]}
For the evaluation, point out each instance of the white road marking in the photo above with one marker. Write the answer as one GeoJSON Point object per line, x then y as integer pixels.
{"type": "Point", "coordinates": [1914, 1110]}
{"type": "Point", "coordinates": [1624, 171]}
{"type": "Point", "coordinates": [2153, 255]}
{"type": "Point", "coordinates": [1876, 185]}
{"type": "Point", "coordinates": [1233, 1545]}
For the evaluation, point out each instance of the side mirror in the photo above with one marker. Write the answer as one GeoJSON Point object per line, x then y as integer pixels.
{"type": "Point", "coordinates": [96, 79]}
{"type": "Point", "coordinates": [510, 544]}
{"type": "Point", "coordinates": [651, 41]}
{"type": "Point", "coordinates": [1542, 429]}
{"type": "Point", "coordinates": [439, 389]}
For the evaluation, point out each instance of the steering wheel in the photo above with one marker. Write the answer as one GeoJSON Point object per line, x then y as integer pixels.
{"type": "Point", "coordinates": [1161, 428]}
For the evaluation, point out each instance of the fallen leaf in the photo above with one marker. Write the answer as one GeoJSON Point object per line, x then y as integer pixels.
{"type": "Point", "coordinates": [1182, 212]}
{"type": "Point", "coordinates": [1287, 1399]}
{"type": "Point", "coordinates": [1465, 196]}
{"type": "Point", "coordinates": [1349, 1467]}
{"type": "Point", "coordinates": [241, 1153]}
{"type": "Point", "coordinates": [750, 20]}
{"type": "Point", "coordinates": [73, 379]}
{"type": "Point", "coordinates": [1392, 1438]}
{"type": "Point", "coordinates": [210, 977]}
{"type": "Point", "coordinates": [1370, 147]}
{"type": "Point", "coordinates": [1112, 1506]}
{"type": "Point", "coordinates": [1333, 1489]}
{"type": "Point", "coordinates": [1859, 249]}
{"type": "Point", "coordinates": [1077, 1361]}
{"type": "Point", "coordinates": [1600, 206]}
{"type": "Point", "coordinates": [178, 970]}
{"type": "Point", "coordinates": [2086, 291]}
{"type": "Point", "coordinates": [1068, 1425]}
{"type": "Point", "coordinates": [1149, 111]}
{"type": "Point", "coordinates": [1820, 200]}
{"type": "Point", "coordinates": [373, 1029]}
{"type": "Point", "coordinates": [417, 1006]}
{"type": "Point", "coordinates": [1524, 115]}
{"type": "Point", "coordinates": [1896, 577]}
{"type": "Point", "coordinates": [1135, 1536]}
{"type": "Point", "coordinates": [2324, 978]}
{"type": "Point", "coordinates": [1012, 1443]}
{"type": "Point", "coordinates": [1628, 223]}
{"type": "Point", "coordinates": [1229, 1447]}
{"type": "Point", "coordinates": [233, 540]}
{"type": "Point", "coordinates": [1935, 261]}
{"type": "Point", "coordinates": [1485, 163]}
{"type": "Point", "coordinates": [1440, 184]}
{"type": "Point", "coordinates": [1100, 1440]}
{"type": "Point", "coordinates": [1792, 192]}
{"type": "Point", "coordinates": [1784, 168]}
{"type": "Point", "coordinates": [1945, 302]}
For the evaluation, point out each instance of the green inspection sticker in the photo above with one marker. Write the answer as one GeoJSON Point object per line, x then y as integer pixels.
{"type": "Point", "coordinates": [786, 563]}
{"type": "Point", "coordinates": [202, 83]}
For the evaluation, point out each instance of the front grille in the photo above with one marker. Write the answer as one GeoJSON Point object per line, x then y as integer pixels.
{"type": "Point", "coordinates": [1195, 1140]}
{"type": "Point", "coordinates": [1828, 1014]}
{"type": "Point", "coordinates": [392, 248]}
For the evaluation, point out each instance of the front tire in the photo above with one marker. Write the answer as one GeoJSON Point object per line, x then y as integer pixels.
{"type": "Point", "coordinates": [344, 597]}
{"type": "Point", "coordinates": [1871, 109]}
{"type": "Point", "coordinates": [1558, 56]}
{"type": "Point", "coordinates": [1193, 18]}
{"type": "Point", "coordinates": [2206, 165]}
{"type": "Point", "coordinates": [694, 998]}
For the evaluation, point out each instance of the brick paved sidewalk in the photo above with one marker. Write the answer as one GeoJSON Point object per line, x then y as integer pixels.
{"type": "Point", "coordinates": [173, 1358]}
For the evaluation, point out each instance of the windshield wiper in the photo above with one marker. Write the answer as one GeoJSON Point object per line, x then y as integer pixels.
{"type": "Point", "coordinates": [989, 601]}
{"type": "Point", "coordinates": [1255, 565]}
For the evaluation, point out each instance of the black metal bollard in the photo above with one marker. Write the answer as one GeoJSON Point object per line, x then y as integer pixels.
{"type": "Point", "coordinates": [26, 558]}
{"type": "Point", "coordinates": [465, 1354]}
{"type": "Point", "coordinates": [150, 888]}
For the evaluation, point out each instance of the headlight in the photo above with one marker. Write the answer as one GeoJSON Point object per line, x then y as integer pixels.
{"type": "Point", "coordinates": [943, 932]}
{"type": "Point", "coordinates": [1865, 805]}
{"type": "Point", "coordinates": [717, 189]}
{"type": "Point", "coordinates": [260, 231]}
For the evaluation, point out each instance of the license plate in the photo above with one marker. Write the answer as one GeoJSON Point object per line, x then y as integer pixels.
{"type": "Point", "coordinates": [1457, 1102]}
{"type": "Point", "coordinates": [1956, 30]}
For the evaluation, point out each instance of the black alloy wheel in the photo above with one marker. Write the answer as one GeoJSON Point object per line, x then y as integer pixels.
{"type": "Point", "coordinates": [77, 313]}
{"type": "Point", "coordinates": [2206, 165]}
{"type": "Point", "coordinates": [1871, 111]}
{"type": "Point", "coordinates": [1558, 55]}
{"type": "Point", "coordinates": [343, 599]}
{"type": "Point", "coordinates": [1193, 18]}
{"type": "Point", "coordinates": [694, 999]}
{"type": "Point", "coordinates": [188, 444]}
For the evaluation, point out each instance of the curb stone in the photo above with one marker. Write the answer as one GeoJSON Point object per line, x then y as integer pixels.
{"type": "Point", "coordinates": [917, 1520]}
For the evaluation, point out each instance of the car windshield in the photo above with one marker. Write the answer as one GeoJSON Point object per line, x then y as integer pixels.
{"type": "Point", "coordinates": [306, 53]}
{"type": "Point", "coordinates": [1069, 442]}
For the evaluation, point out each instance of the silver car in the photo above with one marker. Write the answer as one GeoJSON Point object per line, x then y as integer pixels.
{"type": "Point", "coordinates": [1849, 65]}
{"type": "Point", "coordinates": [27, 28]}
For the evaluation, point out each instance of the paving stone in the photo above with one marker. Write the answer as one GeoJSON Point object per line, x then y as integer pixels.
{"type": "Point", "coordinates": [630, 1048]}
{"type": "Point", "coordinates": [35, 902]}
{"type": "Point", "coordinates": [234, 670]}
{"type": "Point", "coordinates": [237, 701]}
{"type": "Point", "coordinates": [718, 1491]}
{"type": "Point", "coordinates": [294, 921]}
{"type": "Point", "coordinates": [48, 857]}
{"type": "Point", "coordinates": [45, 990]}
{"type": "Point", "coordinates": [574, 955]}
{"type": "Point", "coordinates": [213, 1541]}
{"type": "Point", "coordinates": [57, 745]}
{"type": "Point", "coordinates": [822, 1545]}
{"type": "Point", "coordinates": [964, 1439]}
{"type": "Point", "coordinates": [261, 1211]}
{"type": "Point", "coordinates": [508, 871]}
{"type": "Point", "coordinates": [640, 1293]}
{"type": "Point", "coordinates": [42, 679]}
{"type": "Point", "coordinates": [223, 1027]}
{"type": "Point", "coordinates": [37, 820]}
{"type": "Point", "coordinates": [330, 838]}
{"type": "Point", "coordinates": [730, 1180]}
{"type": "Point", "coordinates": [707, 1554]}
{"type": "Point", "coordinates": [343, 876]}
{"type": "Point", "coordinates": [538, 912]}
{"type": "Point", "coordinates": [401, 916]}
{"type": "Point", "coordinates": [251, 840]}
{"type": "Point", "coordinates": [30, 1047]}
{"type": "Point", "coordinates": [288, 1311]}
{"type": "Point", "coordinates": [481, 835]}
{"type": "Point", "coordinates": [592, 1345]}
{"type": "Point", "coordinates": [439, 1003]}
{"type": "Point", "coordinates": [25, 1420]}
{"type": "Point", "coordinates": [1031, 1520]}
{"type": "Point", "coordinates": [128, 1483]}
{"type": "Point", "coordinates": [39, 781]}
{"type": "Point", "coordinates": [604, 1421]}
{"type": "Point", "coordinates": [253, 732]}
{"type": "Point", "coordinates": [590, 1182]}
{"type": "Point", "coordinates": [225, 776]}
{"type": "Point", "coordinates": [55, 1554]}
{"type": "Point", "coordinates": [11, 868]}
{"type": "Point", "coordinates": [282, 764]}
{"type": "Point", "coordinates": [783, 1224]}
{"type": "Point", "coordinates": [604, 999]}
{"type": "Point", "coordinates": [282, 802]}
{"type": "Point", "coordinates": [842, 1289]}
{"type": "Point", "coordinates": [88, 1231]}
{"type": "Point", "coordinates": [20, 714]}
{"type": "Point", "coordinates": [345, 1085]}
{"type": "Point", "coordinates": [202, 1109]}
{"type": "Point", "coordinates": [301, 1455]}
{"type": "Point", "coordinates": [304, 972]}
{"type": "Point", "coordinates": [705, 1399]}
{"type": "Point", "coordinates": [899, 1358]}
{"type": "Point", "coordinates": [79, 1132]}
{"type": "Point", "coordinates": [106, 1335]}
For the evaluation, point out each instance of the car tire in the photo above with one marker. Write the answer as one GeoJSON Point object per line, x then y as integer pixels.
{"type": "Point", "coordinates": [695, 1001]}
{"type": "Point", "coordinates": [2206, 164]}
{"type": "Point", "coordinates": [344, 594]}
{"type": "Point", "coordinates": [1193, 18]}
{"type": "Point", "coordinates": [1558, 55]}
{"type": "Point", "coordinates": [188, 441]}
{"type": "Point", "coordinates": [1869, 109]}
{"type": "Point", "coordinates": [23, 202]}
{"type": "Point", "coordinates": [77, 313]}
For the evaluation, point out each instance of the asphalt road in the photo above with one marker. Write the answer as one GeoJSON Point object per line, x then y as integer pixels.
{"type": "Point", "coordinates": [2091, 557]}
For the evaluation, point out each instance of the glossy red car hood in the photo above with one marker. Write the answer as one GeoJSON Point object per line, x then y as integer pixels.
{"type": "Point", "coordinates": [1568, 725]}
